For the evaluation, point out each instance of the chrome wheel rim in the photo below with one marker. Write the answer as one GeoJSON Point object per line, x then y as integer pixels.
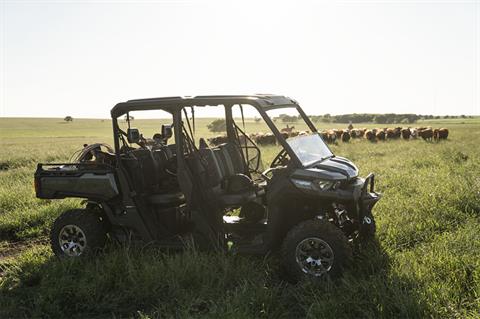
{"type": "Point", "coordinates": [72, 240]}
{"type": "Point", "coordinates": [314, 256]}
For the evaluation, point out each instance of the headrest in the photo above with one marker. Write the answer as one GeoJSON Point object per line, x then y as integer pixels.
{"type": "Point", "coordinates": [202, 144]}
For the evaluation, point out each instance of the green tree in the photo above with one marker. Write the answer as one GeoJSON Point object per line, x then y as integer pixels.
{"type": "Point", "coordinates": [218, 125]}
{"type": "Point", "coordinates": [289, 119]}
{"type": "Point", "coordinates": [380, 119]}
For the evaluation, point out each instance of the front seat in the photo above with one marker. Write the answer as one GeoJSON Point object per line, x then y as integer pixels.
{"type": "Point", "coordinates": [226, 174]}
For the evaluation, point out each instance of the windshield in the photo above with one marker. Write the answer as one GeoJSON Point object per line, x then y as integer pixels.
{"type": "Point", "coordinates": [309, 148]}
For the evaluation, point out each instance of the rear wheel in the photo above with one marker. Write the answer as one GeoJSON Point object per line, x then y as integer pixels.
{"type": "Point", "coordinates": [77, 232]}
{"type": "Point", "coordinates": [315, 249]}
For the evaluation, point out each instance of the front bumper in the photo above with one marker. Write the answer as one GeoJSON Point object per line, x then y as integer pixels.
{"type": "Point", "coordinates": [368, 197]}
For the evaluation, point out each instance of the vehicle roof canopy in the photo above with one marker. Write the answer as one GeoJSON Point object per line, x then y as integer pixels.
{"type": "Point", "coordinates": [171, 104]}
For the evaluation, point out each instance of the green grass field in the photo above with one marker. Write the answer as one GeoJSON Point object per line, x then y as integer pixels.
{"type": "Point", "coordinates": [426, 262]}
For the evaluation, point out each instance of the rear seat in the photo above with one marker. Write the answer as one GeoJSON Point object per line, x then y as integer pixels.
{"type": "Point", "coordinates": [162, 157]}
{"type": "Point", "coordinates": [148, 174]}
{"type": "Point", "coordinates": [142, 170]}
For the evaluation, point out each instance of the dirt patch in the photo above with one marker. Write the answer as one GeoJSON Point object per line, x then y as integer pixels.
{"type": "Point", "coordinates": [11, 249]}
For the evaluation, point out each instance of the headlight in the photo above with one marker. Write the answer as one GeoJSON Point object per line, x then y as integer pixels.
{"type": "Point", "coordinates": [321, 184]}
{"type": "Point", "coordinates": [324, 185]}
{"type": "Point", "coordinates": [300, 183]}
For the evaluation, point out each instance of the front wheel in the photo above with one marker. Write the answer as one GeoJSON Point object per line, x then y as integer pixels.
{"type": "Point", "coordinates": [77, 232]}
{"type": "Point", "coordinates": [315, 249]}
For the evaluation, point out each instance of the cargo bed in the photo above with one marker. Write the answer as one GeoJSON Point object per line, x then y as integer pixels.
{"type": "Point", "coordinates": [83, 180]}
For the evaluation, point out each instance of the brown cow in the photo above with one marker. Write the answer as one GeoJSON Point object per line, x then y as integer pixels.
{"type": "Point", "coordinates": [440, 134]}
{"type": "Point", "coordinates": [405, 132]}
{"type": "Point", "coordinates": [369, 135]}
{"type": "Point", "coordinates": [293, 134]}
{"type": "Point", "coordinates": [397, 132]}
{"type": "Point", "coordinates": [345, 136]}
{"type": "Point", "coordinates": [328, 136]}
{"type": "Point", "coordinates": [357, 133]}
{"type": "Point", "coordinates": [288, 129]}
{"type": "Point", "coordinates": [380, 135]}
{"type": "Point", "coordinates": [332, 137]}
{"type": "Point", "coordinates": [390, 133]}
{"type": "Point", "coordinates": [393, 133]}
{"type": "Point", "coordinates": [324, 135]}
{"type": "Point", "coordinates": [217, 140]}
{"type": "Point", "coordinates": [338, 133]}
{"type": "Point", "coordinates": [266, 139]}
{"type": "Point", "coordinates": [254, 136]}
{"type": "Point", "coordinates": [426, 134]}
{"type": "Point", "coordinates": [443, 133]}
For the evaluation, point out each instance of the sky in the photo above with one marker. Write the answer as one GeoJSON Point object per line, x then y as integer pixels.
{"type": "Point", "coordinates": [80, 58]}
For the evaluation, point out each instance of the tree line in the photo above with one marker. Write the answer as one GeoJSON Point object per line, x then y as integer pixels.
{"type": "Point", "coordinates": [387, 118]}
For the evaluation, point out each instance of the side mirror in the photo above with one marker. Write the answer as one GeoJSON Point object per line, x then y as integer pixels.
{"type": "Point", "coordinates": [133, 135]}
{"type": "Point", "coordinates": [167, 131]}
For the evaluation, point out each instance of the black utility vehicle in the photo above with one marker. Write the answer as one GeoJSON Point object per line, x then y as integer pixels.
{"type": "Point", "coordinates": [310, 205]}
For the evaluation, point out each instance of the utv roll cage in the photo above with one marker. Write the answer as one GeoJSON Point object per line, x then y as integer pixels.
{"type": "Point", "coordinates": [175, 105]}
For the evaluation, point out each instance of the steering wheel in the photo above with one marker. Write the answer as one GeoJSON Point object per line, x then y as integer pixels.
{"type": "Point", "coordinates": [278, 162]}
{"type": "Point", "coordinates": [280, 159]}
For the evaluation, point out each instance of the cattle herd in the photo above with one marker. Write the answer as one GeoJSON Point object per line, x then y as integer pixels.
{"type": "Point", "coordinates": [332, 136]}
{"type": "Point", "coordinates": [382, 134]}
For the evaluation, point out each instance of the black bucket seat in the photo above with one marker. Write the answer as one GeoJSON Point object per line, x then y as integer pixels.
{"type": "Point", "coordinates": [227, 174]}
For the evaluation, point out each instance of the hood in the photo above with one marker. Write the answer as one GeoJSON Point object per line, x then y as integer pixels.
{"type": "Point", "coordinates": [335, 168]}
{"type": "Point", "coordinates": [339, 165]}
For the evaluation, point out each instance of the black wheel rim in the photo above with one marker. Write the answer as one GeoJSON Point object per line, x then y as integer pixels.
{"type": "Point", "coordinates": [72, 240]}
{"type": "Point", "coordinates": [314, 256]}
